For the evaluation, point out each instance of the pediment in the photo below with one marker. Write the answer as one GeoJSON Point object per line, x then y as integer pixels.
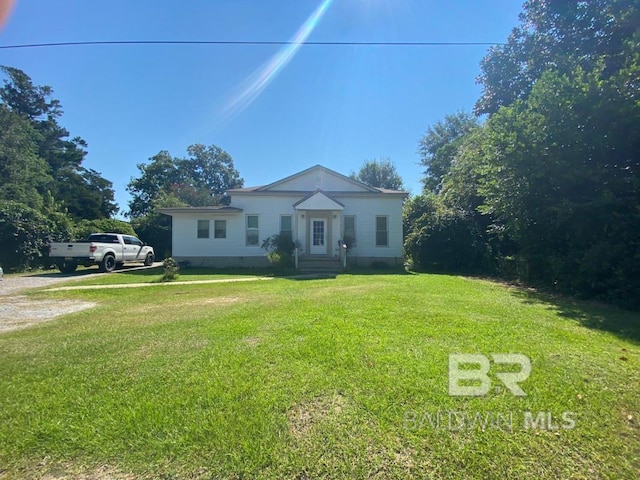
{"type": "Point", "coordinates": [318, 201]}
{"type": "Point", "coordinates": [317, 178]}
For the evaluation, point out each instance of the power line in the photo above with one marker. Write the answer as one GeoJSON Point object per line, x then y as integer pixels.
{"type": "Point", "coordinates": [249, 42]}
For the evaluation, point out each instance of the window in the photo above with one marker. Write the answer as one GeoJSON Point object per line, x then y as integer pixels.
{"type": "Point", "coordinates": [131, 241]}
{"type": "Point", "coordinates": [253, 234]}
{"type": "Point", "coordinates": [349, 231]}
{"type": "Point", "coordinates": [203, 228]}
{"type": "Point", "coordinates": [285, 226]}
{"type": "Point", "coordinates": [220, 229]}
{"type": "Point", "coordinates": [382, 231]}
{"type": "Point", "coordinates": [103, 238]}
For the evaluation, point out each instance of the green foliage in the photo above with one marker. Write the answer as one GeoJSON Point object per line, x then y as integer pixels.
{"type": "Point", "coordinates": [155, 230]}
{"type": "Point", "coordinates": [279, 250]}
{"type": "Point", "coordinates": [24, 235]}
{"type": "Point", "coordinates": [559, 36]}
{"type": "Point", "coordinates": [41, 171]}
{"type": "Point", "coordinates": [442, 239]}
{"type": "Point", "coordinates": [379, 173]}
{"type": "Point", "coordinates": [86, 227]}
{"type": "Point", "coordinates": [24, 176]}
{"type": "Point", "coordinates": [548, 186]}
{"type": "Point", "coordinates": [199, 180]}
{"type": "Point", "coordinates": [440, 145]}
{"type": "Point", "coordinates": [38, 158]}
{"type": "Point", "coordinates": [171, 269]}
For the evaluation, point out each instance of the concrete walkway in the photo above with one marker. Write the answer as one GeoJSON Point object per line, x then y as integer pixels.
{"type": "Point", "coordinates": [159, 284]}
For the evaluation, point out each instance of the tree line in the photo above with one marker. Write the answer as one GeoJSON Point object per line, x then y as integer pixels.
{"type": "Point", "coordinates": [48, 195]}
{"type": "Point", "coordinates": [541, 183]}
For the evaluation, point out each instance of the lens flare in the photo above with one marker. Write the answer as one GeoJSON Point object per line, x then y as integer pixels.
{"type": "Point", "coordinates": [254, 84]}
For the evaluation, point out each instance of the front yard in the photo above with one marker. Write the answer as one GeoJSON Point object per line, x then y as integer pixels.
{"type": "Point", "coordinates": [331, 378]}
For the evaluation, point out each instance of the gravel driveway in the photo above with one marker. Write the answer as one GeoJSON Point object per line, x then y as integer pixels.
{"type": "Point", "coordinates": [19, 311]}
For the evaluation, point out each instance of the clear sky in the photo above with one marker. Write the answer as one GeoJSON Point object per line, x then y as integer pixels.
{"type": "Point", "coordinates": [275, 111]}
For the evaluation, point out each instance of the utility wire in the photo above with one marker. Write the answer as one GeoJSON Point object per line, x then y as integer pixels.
{"type": "Point", "coordinates": [250, 42]}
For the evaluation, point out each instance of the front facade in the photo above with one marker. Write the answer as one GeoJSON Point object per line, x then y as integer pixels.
{"type": "Point", "coordinates": [321, 209]}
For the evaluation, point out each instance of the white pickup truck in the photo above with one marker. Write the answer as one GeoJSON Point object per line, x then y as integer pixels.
{"type": "Point", "coordinates": [107, 250]}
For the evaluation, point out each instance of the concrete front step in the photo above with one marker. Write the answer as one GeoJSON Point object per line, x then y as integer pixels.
{"type": "Point", "coordinates": [319, 265]}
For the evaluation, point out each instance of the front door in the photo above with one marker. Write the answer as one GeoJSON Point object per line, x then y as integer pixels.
{"type": "Point", "coordinates": [318, 236]}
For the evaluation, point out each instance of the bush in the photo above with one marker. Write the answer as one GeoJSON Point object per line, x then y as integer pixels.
{"type": "Point", "coordinates": [447, 241]}
{"type": "Point", "coordinates": [25, 235]}
{"type": "Point", "coordinates": [171, 269]}
{"type": "Point", "coordinates": [279, 250]}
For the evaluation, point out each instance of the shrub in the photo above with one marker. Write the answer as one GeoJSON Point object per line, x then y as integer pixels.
{"type": "Point", "coordinates": [447, 240]}
{"type": "Point", "coordinates": [171, 269]}
{"type": "Point", "coordinates": [279, 250]}
{"type": "Point", "coordinates": [25, 235]}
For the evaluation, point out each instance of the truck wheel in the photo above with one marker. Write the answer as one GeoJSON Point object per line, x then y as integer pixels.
{"type": "Point", "coordinates": [108, 263]}
{"type": "Point", "coordinates": [148, 261]}
{"type": "Point", "coordinates": [67, 266]}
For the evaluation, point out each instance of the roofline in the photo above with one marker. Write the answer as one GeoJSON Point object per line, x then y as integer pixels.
{"type": "Point", "coordinates": [303, 172]}
{"type": "Point", "coordinates": [226, 210]}
{"type": "Point", "coordinates": [341, 193]}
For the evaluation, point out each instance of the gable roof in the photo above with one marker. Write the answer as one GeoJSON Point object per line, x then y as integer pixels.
{"type": "Point", "coordinates": [318, 200]}
{"type": "Point", "coordinates": [314, 179]}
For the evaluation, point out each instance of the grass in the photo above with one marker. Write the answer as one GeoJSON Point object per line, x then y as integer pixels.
{"type": "Point", "coordinates": [334, 378]}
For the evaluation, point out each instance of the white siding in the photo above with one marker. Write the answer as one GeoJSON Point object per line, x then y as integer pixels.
{"type": "Point", "coordinates": [269, 208]}
{"type": "Point", "coordinates": [365, 210]}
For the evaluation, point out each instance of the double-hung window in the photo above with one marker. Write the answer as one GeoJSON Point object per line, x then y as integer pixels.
{"type": "Point", "coordinates": [285, 226]}
{"type": "Point", "coordinates": [382, 231]}
{"type": "Point", "coordinates": [220, 229]}
{"type": "Point", "coordinates": [203, 228]}
{"type": "Point", "coordinates": [349, 230]}
{"type": "Point", "coordinates": [252, 230]}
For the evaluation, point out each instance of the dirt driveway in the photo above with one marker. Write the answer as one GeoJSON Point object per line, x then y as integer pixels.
{"type": "Point", "coordinates": [19, 311]}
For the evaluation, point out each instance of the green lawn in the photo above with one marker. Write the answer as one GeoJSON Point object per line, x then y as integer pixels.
{"type": "Point", "coordinates": [333, 378]}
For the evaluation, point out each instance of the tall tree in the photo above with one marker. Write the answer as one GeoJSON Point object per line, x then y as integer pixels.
{"type": "Point", "coordinates": [439, 146]}
{"type": "Point", "coordinates": [82, 192]}
{"type": "Point", "coordinates": [560, 36]}
{"type": "Point", "coordinates": [24, 176]}
{"type": "Point", "coordinates": [379, 173]}
{"type": "Point", "coordinates": [198, 180]}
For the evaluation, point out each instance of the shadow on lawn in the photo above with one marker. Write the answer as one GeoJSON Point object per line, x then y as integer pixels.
{"type": "Point", "coordinates": [594, 315]}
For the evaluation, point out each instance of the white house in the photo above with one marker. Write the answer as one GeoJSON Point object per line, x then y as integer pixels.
{"type": "Point", "coordinates": [321, 209]}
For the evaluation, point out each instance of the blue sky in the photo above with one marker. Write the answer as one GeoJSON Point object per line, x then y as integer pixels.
{"type": "Point", "coordinates": [332, 105]}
